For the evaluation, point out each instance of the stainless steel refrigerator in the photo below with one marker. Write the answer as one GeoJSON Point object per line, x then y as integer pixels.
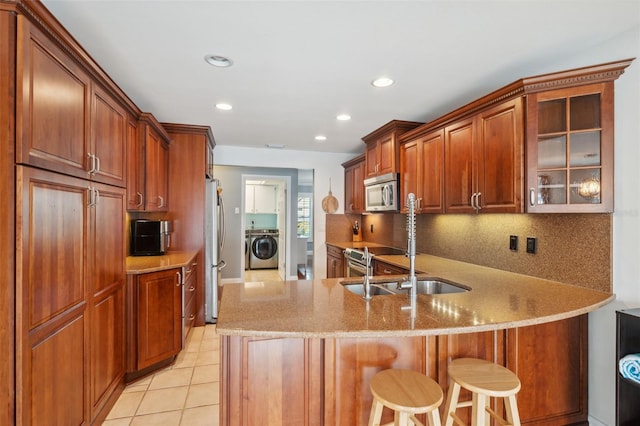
{"type": "Point", "coordinates": [214, 244]}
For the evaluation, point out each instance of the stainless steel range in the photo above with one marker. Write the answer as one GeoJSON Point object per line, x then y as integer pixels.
{"type": "Point", "coordinates": [357, 263]}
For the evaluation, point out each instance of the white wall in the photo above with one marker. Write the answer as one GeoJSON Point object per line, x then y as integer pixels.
{"type": "Point", "coordinates": [626, 232]}
{"type": "Point", "coordinates": [325, 166]}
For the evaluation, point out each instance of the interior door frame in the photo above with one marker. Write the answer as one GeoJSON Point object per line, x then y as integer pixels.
{"type": "Point", "coordinates": [285, 181]}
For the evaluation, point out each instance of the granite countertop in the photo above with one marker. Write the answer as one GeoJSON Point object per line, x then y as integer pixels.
{"type": "Point", "coordinates": [145, 264]}
{"type": "Point", "coordinates": [322, 308]}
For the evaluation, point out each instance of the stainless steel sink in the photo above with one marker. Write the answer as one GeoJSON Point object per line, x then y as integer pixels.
{"type": "Point", "coordinates": [438, 286]}
{"type": "Point", "coordinates": [376, 289]}
{"type": "Point", "coordinates": [424, 286]}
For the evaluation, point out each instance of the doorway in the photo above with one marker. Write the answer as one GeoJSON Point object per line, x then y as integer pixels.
{"type": "Point", "coordinates": [265, 225]}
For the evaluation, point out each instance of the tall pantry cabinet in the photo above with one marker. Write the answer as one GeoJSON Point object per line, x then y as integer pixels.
{"type": "Point", "coordinates": [63, 157]}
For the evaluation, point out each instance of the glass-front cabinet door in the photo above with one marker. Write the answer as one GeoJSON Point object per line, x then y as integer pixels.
{"type": "Point", "coordinates": [570, 149]}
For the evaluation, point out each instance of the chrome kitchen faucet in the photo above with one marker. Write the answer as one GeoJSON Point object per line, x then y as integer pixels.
{"type": "Point", "coordinates": [411, 254]}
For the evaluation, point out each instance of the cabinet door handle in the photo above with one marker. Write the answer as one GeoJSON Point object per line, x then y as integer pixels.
{"type": "Point", "coordinates": [93, 163]}
{"type": "Point", "coordinates": [386, 272]}
{"type": "Point", "coordinates": [192, 288]}
{"type": "Point", "coordinates": [97, 164]}
{"type": "Point", "coordinates": [478, 207]}
{"type": "Point", "coordinates": [473, 201]}
{"type": "Point", "coordinates": [140, 198]}
{"type": "Point", "coordinates": [161, 198]}
{"type": "Point", "coordinates": [532, 197]}
{"type": "Point", "coordinates": [94, 194]}
{"type": "Point", "coordinates": [179, 279]}
{"type": "Point", "coordinates": [192, 316]}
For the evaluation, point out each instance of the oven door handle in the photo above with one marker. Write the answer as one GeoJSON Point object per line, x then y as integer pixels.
{"type": "Point", "coordinates": [358, 267]}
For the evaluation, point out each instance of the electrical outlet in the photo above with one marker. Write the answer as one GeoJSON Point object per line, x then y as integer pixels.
{"type": "Point", "coordinates": [532, 245]}
{"type": "Point", "coordinates": [513, 242]}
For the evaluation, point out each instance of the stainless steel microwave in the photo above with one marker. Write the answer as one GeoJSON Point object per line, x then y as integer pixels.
{"type": "Point", "coordinates": [381, 193]}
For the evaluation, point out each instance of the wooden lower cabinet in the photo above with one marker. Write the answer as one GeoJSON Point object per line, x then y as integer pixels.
{"type": "Point", "coordinates": [551, 361]}
{"type": "Point", "coordinates": [271, 381]}
{"type": "Point", "coordinates": [155, 318]}
{"type": "Point", "coordinates": [69, 298]}
{"type": "Point", "coordinates": [335, 262]}
{"type": "Point", "coordinates": [350, 364]}
{"type": "Point", "coordinates": [382, 268]}
{"type": "Point", "coordinates": [326, 381]}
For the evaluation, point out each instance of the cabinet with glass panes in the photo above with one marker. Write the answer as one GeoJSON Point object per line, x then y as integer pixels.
{"type": "Point", "coordinates": [570, 149]}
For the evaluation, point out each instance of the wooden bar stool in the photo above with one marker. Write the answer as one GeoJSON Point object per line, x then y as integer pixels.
{"type": "Point", "coordinates": [407, 393]}
{"type": "Point", "coordinates": [485, 380]}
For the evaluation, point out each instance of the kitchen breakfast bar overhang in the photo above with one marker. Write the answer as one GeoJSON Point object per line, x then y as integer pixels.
{"type": "Point", "coordinates": [303, 352]}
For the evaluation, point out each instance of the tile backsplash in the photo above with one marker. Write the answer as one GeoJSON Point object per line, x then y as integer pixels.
{"type": "Point", "coordinates": [571, 248]}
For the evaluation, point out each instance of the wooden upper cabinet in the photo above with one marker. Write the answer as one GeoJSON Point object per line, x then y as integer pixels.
{"type": "Point", "coordinates": [135, 168]}
{"type": "Point", "coordinates": [570, 149]}
{"type": "Point", "coordinates": [500, 158]}
{"type": "Point", "coordinates": [422, 171]}
{"type": "Point", "coordinates": [354, 171]}
{"type": "Point", "coordinates": [148, 165]}
{"type": "Point", "coordinates": [65, 122]}
{"type": "Point", "coordinates": [53, 96]}
{"type": "Point", "coordinates": [459, 173]}
{"type": "Point", "coordinates": [382, 148]}
{"type": "Point", "coordinates": [156, 168]}
{"type": "Point", "coordinates": [484, 162]}
{"type": "Point", "coordinates": [108, 149]}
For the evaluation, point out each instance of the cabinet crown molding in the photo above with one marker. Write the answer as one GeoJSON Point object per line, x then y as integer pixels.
{"type": "Point", "coordinates": [569, 78]}
{"type": "Point", "coordinates": [397, 125]}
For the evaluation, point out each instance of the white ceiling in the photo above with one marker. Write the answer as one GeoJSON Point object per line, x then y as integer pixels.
{"type": "Point", "coordinates": [297, 64]}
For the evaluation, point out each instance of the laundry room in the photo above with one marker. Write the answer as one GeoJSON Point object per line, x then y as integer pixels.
{"type": "Point", "coordinates": [261, 223]}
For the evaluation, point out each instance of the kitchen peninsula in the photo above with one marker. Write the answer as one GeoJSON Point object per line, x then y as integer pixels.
{"type": "Point", "coordinates": [303, 352]}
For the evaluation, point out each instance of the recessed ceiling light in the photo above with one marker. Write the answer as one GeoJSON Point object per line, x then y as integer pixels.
{"type": "Point", "coordinates": [218, 61]}
{"type": "Point", "coordinates": [275, 145]}
{"type": "Point", "coordinates": [344, 117]}
{"type": "Point", "coordinates": [382, 82]}
{"type": "Point", "coordinates": [321, 138]}
{"type": "Point", "coordinates": [224, 107]}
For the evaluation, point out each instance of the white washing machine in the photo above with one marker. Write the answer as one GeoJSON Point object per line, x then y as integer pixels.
{"type": "Point", "coordinates": [264, 249]}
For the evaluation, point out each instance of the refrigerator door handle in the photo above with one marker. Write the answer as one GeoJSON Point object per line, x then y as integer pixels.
{"type": "Point", "coordinates": [220, 265]}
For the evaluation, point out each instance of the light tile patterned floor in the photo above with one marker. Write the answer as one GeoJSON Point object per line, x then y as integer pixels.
{"type": "Point", "coordinates": [261, 275]}
{"type": "Point", "coordinates": [186, 393]}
